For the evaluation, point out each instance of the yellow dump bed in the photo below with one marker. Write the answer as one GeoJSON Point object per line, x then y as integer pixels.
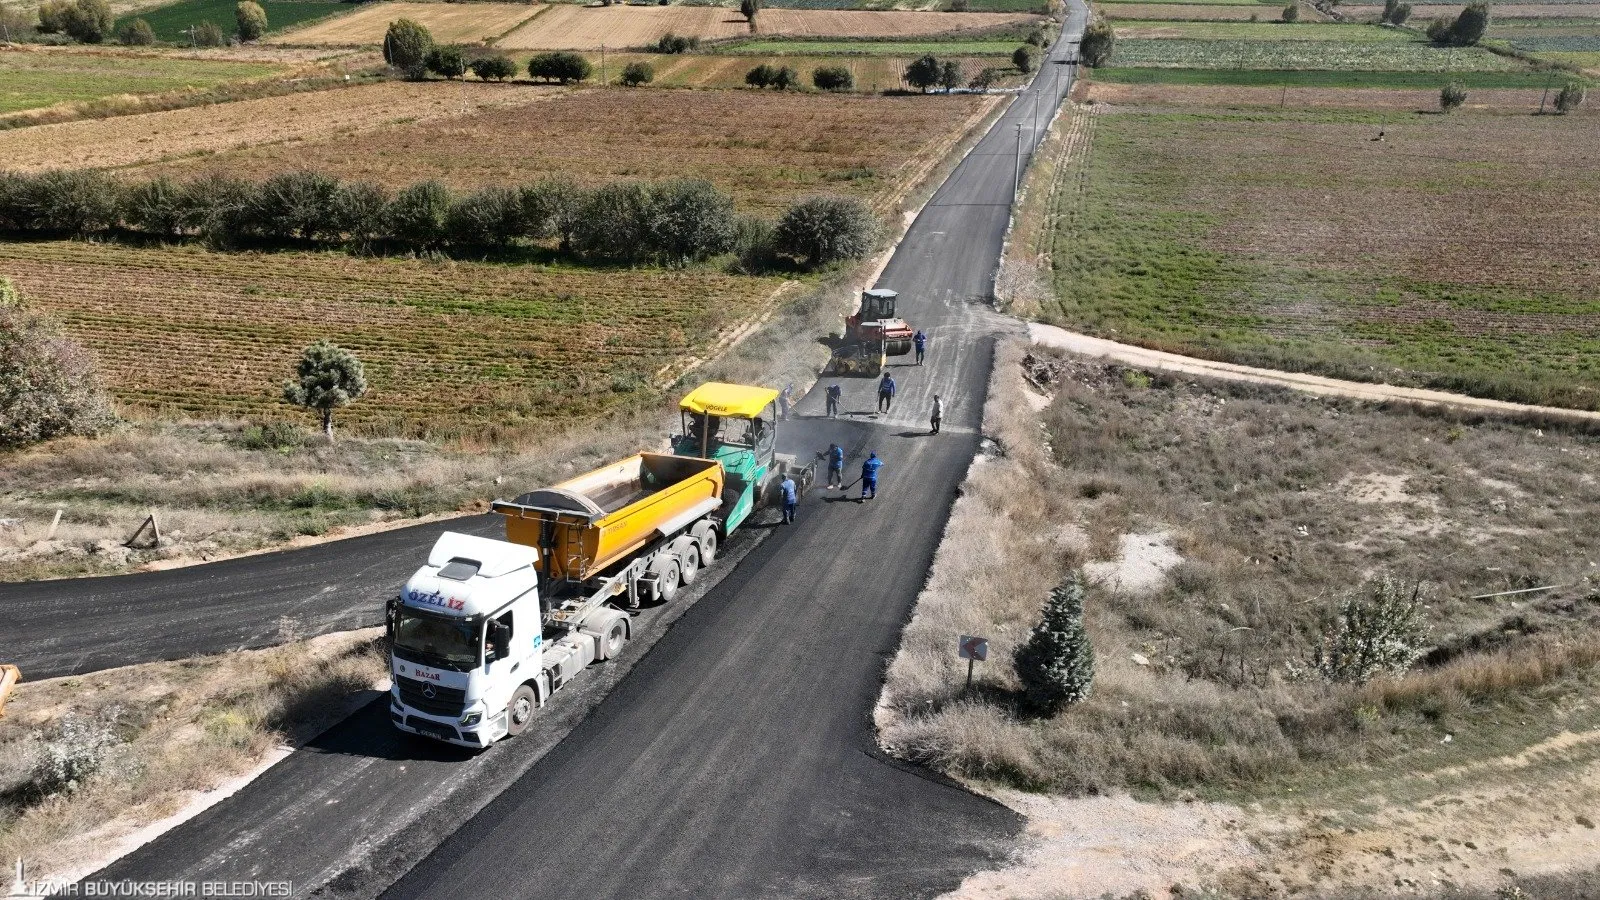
{"type": "Point", "coordinates": [587, 524]}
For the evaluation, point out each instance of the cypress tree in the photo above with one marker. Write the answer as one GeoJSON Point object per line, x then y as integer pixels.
{"type": "Point", "coordinates": [1056, 664]}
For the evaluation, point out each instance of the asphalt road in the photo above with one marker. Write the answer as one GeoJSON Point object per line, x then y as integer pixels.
{"type": "Point", "coordinates": [735, 758]}
{"type": "Point", "coordinates": [76, 625]}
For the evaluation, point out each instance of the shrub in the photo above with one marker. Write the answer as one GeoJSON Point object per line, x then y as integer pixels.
{"type": "Point", "coordinates": [749, 9]}
{"type": "Point", "coordinates": [86, 21]}
{"type": "Point", "coordinates": [824, 230]}
{"type": "Point", "coordinates": [785, 78]}
{"type": "Point", "coordinates": [406, 46]}
{"type": "Point", "coordinates": [326, 378]}
{"type": "Point", "coordinates": [672, 43]}
{"type": "Point", "coordinates": [1379, 629]}
{"type": "Point", "coordinates": [74, 751]}
{"type": "Point", "coordinates": [1401, 14]}
{"type": "Point", "coordinates": [48, 384]}
{"type": "Point", "coordinates": [294, 204]}
{"type": "Point", "coordinates": [985, 78]}
{"type": "Point", "coordinates": [490, 217]}
{"type": "Point", "coordinates": [1291, 12]}
{"type": "Point", "coordinates": [637, 73]}
{"type": "Point", "coordinates": [1570, 97]}
{"type": "Point", "coordinates": [448, 62]}
{"type": "Point", "coordinates": [1024, 58]}
{"type": "Point", "coordinates": [1056, 663]}
{"type": "Point", "coordinates": [924, 72]}
{"type": "Point", "coordinates": [206, 34]}
{"type": "Point", "coordinates": [137, 33]}
{"type": "Point", "coordinates": [359, 212]}
{"type": "Point", "coordinates": [53, 16]}
{"type": "Point", "coordinates": [561, 67]}
{"type": "Point", "coordinates": [156, 207]}
{"type": "Point", "coordinates": [218, 206]}
{"type": "Point", "coordinates": [950, 75]}
{"type": "Point", "coordinates": [753, 245]}
{"type": "Point", "coordinates": [417, 214]}
{"type": "Point", "coordinates": [689, 220]}
{"type": "Point", "coordinates": [761, 76]}
{"type": "Point", "coordinates": [833, 78]}
{"type": "Point", "coordinates": [1098, 41]}
{"type": "Point", "coordinates": [1452, 95]}
{"type": "Point", "coordinates": [1470, 24]}
{"type": "Point", "coordinates": [280, 436]}
{"type": "Point", "coordinates": [553, 207]}
{"type": "Point", "coordinates": [1037, 37]}
{"type": "Point", "coordinates": [614, 222]}
{"type": "Point", "coordinates": [251, 19]}
{"type": "Point", "coordinates": [1438, 30]}
{"type": "Point", "coordinates": [75, 201]}
{"type": "Point", "coordinates": [494, 68]}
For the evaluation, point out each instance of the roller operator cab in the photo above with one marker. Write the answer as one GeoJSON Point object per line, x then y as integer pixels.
{"type": "Point", "coordinates": [469, 657]}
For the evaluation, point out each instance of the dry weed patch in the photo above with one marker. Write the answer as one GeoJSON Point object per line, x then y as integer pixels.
{"type": "Point", "coordinates": [86, 760]}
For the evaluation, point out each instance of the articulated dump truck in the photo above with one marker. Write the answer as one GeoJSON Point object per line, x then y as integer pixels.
{"type": "Point", "coordinates": [487, 630]}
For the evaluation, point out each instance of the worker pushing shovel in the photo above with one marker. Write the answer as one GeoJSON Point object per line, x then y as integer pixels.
{"type": "Point", "coordinates": [835, 466]}
{"type": "Point", "coordinates": [869, 476]}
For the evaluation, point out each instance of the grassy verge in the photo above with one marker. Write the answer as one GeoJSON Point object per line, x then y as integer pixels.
{"type": "Point", "coordinates": [84, 761]}
{"type": "Point", "coordinates": [1219, 524]}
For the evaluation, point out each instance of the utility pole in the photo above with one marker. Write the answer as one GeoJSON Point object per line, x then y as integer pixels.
{"type": "Point", "coordinates": [1016, 177]}
{"type": "Point", "coordinates": [1546, 94]}
{"type": "Point", "coordinates": [602, 65]}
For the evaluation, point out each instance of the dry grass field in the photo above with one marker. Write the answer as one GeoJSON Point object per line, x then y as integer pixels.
{"type": "Point", "coordinates": [1181, 12]}
{"type": "Point", "coordinates": [31, 78]}
{"type": "Point", "coordinates": [1456, 252]}
{"type": "Point", "coordinates": [450, 23]}
{"type": "Point", "coordinates": [573, 27]}
{"type": "Point", "coordinates": [1395, 100]}
{"type": "Point", "coordinates": [766, 148]}
{"type": "Point", "coordinates": [873, 74]}
{"type": "Point", "coordinates": [185, 331]}
{"type": "Point", "coordinates": [336, 115]}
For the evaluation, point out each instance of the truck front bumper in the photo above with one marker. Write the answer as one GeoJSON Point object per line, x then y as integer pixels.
{"type": "Point", "coordinates": [476, 736]}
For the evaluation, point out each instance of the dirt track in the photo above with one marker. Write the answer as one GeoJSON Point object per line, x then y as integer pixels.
{"type": "Point", "coordinates": [1051, 336]}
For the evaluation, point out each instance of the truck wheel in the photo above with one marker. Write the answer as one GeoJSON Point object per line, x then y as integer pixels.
{"type": "Point", "coordinates": [667, 575]}
{"type": "Point", "coordinates": [519, 712]}
{"type": "Point", "coordinates": [689, 564]}
{"type": "Point", "coordinates": [615, 637]}
{"type": "Point", "coordinates": [706, 534]}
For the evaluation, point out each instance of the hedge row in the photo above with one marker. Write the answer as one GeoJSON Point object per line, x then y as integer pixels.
{"type": "Point", "coordinates": [665, 222]}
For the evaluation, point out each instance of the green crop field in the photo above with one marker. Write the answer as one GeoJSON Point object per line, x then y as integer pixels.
{"type": "Point", "coordinates": [171, 20]}
{"type": "Point", "coordinates": [1265, 4]}
{"type": "Point", "coordinates": [1260, 31]}
{"type": "Point", "coordinates": [871, 48]}
{"type": "Point", "coordinates": [1317, 78]}
{"type": "Point", "coordinates": [1393, 56]}
{"type": "Point", "coordinates": [34, 80]}
{"type": "Point", "coordinates": [1295, 240]}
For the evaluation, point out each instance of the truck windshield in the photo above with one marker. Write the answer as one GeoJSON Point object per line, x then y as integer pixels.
{"type": "Point", "coordinates": [435, 641]}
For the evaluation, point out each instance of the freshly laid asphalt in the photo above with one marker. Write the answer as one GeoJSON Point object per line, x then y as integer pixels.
{"type": "Point", "coordinates": [735, 758]}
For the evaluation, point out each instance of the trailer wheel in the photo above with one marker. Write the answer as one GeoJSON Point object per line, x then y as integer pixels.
{"type": "Point", "coordinates": [689, 563]}
{"type": "Point", "coordinates": [706, 534]}
{"type": "Point", "coordinates": [520, 711]}
{"type": "Point", "coordinates": [667, 574]}
{"type": "Point", "coordinates": [615, 637]}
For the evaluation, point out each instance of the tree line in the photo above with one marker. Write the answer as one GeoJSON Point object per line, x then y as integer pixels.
{"type": "Point", "coordinates": [667, 222]}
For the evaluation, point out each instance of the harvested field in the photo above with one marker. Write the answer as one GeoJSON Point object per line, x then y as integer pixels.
{"type": "Point", "coordinates": [1424, 12]}
{"type": "Point", "coordinates": [1403, 55]}
{"type": "Point", "coordinates": [1262, 31]}
{"type": "Point", "coordinates": [1355, 78]}
{"type": "Point", "coordinates": [909, 50]}
{"type": "Point", "coordinates": [1297, 240]}
{"type": "Point", "coordinates": [872, 73]}
{"type": "Point", "coordinates": [451, 23]}
{"type": "Point", "coordinates": [188, 331]}
{"type": "Point", "coordinates": [1236, 12]}
{"type": "Point", "coordinates": [33, 78]}
{"type": "Point", "coordinates": [337, 114]}
{"type": "Point", "coordinates": [1178, 97]}
{"type": "Point", "coordinates": [765, 148]}
{"type": "Point", "coordinates": [572, 27]}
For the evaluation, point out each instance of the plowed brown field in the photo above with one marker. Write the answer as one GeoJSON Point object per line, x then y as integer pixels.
{"type": "Point", "coordinates": [187, 331]}
{"type": "Point", "coordinates": [336, 114]}
{"type": "Point", "coordinates": [450, 23]}
{"type": "Point", "coordinates": [1181, 96]}
{"type": "Point", "coordinates": [1186, 11]}
{"type": "Point", "coordinates": [571, 27]}
{"type": "Point", "coordinates": [766, 148]}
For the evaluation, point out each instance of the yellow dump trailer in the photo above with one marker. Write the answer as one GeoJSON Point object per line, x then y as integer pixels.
{"type": "Point", "coordinates": [585, 526]}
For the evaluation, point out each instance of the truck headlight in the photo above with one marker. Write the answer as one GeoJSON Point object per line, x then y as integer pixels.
{"type": "Point", "coordinates": [472, 718]}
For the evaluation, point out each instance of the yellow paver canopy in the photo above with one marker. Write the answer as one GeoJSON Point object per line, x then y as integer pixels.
{"type": "Point", "coordinates": [729, 400]}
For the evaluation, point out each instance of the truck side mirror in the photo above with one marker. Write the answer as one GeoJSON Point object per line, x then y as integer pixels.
{"type": "Point", "coordinates": [391, 612]}
{"type": "Point", "coordinates": [500, 639]}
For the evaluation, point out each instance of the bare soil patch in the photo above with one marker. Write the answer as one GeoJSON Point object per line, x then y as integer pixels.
{"type": "Point", "coordinates": [1175, 97]}
{"type": "Point", "coordinates": [573, 27]}
{"type": "Point", "coordinates": [450, 23]}
{"type": "Point", "coordinates": [337, 114]}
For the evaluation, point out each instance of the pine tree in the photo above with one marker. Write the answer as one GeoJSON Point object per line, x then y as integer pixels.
{"type": "Point", "coordinates": [1056, 664]}
{"type": "Point", "coordinates": [326, 378]}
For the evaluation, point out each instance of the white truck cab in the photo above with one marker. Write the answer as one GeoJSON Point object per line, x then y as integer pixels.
{"type": "Point", "coordinates": [469, 655]}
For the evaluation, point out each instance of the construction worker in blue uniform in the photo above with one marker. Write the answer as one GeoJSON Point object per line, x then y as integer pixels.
{"type": "Point", "coordinates": [885, 392]}
{"type": "Point", "coordinates": [869, 476]}
{"type": "Point", "coordinates": [836, 466]}
{"type": "Point", "coordinates": [921, 340]}
{"type": "Point", "coordinates": [791, 499]}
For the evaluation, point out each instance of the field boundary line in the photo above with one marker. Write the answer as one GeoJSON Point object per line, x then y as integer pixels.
{"type": "Point", "coordinates": [729, 339]}
{"type": "Point", "coordinates": [538, 10]}
{"type": "Point", "coordinates": [1161, 360]}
